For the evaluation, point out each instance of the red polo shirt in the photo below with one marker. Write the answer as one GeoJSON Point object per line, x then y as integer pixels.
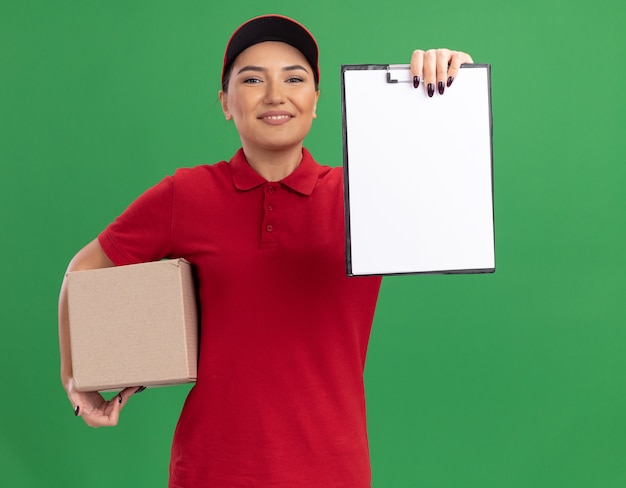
{"type": "Point", "coordinates": [279, 400]}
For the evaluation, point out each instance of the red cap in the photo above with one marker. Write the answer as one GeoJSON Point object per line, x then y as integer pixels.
{"type": "Point", "coordinates": [272, 28]}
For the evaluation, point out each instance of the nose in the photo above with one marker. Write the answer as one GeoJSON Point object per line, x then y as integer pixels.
{"type": "Point", "coordinates": [274, 94]}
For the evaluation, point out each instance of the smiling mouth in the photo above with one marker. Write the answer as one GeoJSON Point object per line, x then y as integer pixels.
{"type": "Point", "coordinates": [276, 117]}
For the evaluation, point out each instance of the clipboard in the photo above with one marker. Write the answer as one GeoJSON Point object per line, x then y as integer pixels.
{"type": "Point", "coordinates": [418, 172]}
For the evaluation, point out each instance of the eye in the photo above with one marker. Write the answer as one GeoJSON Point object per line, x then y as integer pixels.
{"type": "Point", "coordinates": [294, 79]}
{"type": "Point", "coordinates": [251, 80]}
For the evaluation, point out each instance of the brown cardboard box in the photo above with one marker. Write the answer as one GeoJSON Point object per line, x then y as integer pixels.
{"type": "Point", "coordinates": [133, 325]}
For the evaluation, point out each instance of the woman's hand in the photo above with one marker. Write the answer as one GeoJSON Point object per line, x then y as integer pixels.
{"type": "Point", "coordinates": [94, 409]}
{"type": "Point", "coordinates": [436, 68]}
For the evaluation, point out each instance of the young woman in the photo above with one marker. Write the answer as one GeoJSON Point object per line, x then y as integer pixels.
{"type": "Point", "coordinates": [279, 400]}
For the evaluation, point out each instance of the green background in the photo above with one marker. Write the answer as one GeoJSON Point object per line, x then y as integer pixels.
{"type": "Point", "coordinates": [516, 379]}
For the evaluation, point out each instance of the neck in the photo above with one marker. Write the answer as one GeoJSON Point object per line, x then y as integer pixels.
{"type": "Point", "coordinates": [274, 165]}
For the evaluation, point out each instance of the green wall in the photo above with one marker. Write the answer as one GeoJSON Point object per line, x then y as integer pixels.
{"type": "Point", "coordinates": [516, 379]}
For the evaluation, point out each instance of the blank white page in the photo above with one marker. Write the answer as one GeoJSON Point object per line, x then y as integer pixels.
{"type": "Point", "coordinates": [418, 173]}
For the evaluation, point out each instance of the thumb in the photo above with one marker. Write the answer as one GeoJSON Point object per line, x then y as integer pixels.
{"type": "Point", "coordinates": [115, 407]}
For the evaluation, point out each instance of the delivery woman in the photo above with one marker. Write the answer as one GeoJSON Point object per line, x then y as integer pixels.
{"type": "Point", "coordinates": [279, 401]}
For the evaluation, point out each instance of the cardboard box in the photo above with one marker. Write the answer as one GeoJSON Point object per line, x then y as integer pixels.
{"type": "Point", "coordinates": [133, 325]}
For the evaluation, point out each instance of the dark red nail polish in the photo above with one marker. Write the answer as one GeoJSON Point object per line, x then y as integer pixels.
{"type": "Point", "coordinates": [416, 81]}
{"type": "Point", "coordinates": [450, 80]}
{"type": "Point", "coordinates": [77, 410]}
{"type": "Point", "coordinates": [140, 389]}
{"type": "Point", "coordinates": [431, 89]}
{"type": "Point", "coordinates": [440, 87]}
{"type": "Point", "coordinates": [119, 398]}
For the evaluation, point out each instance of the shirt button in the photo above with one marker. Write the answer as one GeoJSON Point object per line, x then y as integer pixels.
{"type": "Point", "coordinates": [270, 208]}
{"type": "Point", "coordinates": [271, 189]}
{"type": "Point", "coordinates": [269, 228]}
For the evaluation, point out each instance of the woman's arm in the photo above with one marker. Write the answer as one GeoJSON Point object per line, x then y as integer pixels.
{"type": "Point", "coordinates": [91, 406]}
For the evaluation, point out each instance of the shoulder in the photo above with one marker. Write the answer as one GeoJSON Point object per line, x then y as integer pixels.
{"type": "Point", "coordinates": [329, 175]}
{"type": "Point", "coordinates": [201, 171]}
{"type": "Point", "coordinates": [200, 177]}
{"type": "Point", "coordinates": [326, 174]}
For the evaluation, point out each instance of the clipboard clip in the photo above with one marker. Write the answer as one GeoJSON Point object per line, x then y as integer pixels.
{"type": "Point", "coordinates": [394, 73]}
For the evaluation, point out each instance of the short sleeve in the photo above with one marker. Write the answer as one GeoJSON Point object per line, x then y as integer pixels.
{"type": "Point", "coordinates": [143, 232]}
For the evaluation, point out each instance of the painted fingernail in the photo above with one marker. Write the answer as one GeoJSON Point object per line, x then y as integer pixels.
{"type": "Point", "coordinates": [119, 398]}
{"type": "Point", "coordinates": [450, 80]}
{"type": "Point", "coordinates": [431, 89]}
{"type": "Point", "coordinates": [140, 389]}
{"type": "Point", "coordinates": [440, 87]}
{"type": "Point", "coordinates": [76, 410]}
{"type": "Point", "coordinates": [416, 81]}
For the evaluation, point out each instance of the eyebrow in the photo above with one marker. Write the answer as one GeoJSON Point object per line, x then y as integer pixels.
{"type": "Point", "coordinates": [260, 69]}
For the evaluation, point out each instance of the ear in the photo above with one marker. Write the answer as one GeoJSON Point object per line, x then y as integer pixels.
{"type": "Point", "coordinates": [317, 97]}
{"type": "Point", "coordinates": [224, 101]}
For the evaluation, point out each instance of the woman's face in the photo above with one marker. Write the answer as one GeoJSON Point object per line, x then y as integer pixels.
{"type": "Point", "coordinates": [271, 97]}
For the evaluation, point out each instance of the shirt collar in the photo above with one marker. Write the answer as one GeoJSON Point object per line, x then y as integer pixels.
{"type": "Point", "coordinates": [303, 179]}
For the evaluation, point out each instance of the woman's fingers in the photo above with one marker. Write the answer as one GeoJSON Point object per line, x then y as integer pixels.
{"type": "Point", "coordinates": [430, 71]}
{"type": "Point", "coordinates": [442, 60]}
{"type": "Point", "coordinates": [417, 67]}
{"type": "Point", "coordinates": [436, 69]}
{"type": "Point", "coordinates": [95, 410]}
{"type": "Point", "coordinates": [457, 59]}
